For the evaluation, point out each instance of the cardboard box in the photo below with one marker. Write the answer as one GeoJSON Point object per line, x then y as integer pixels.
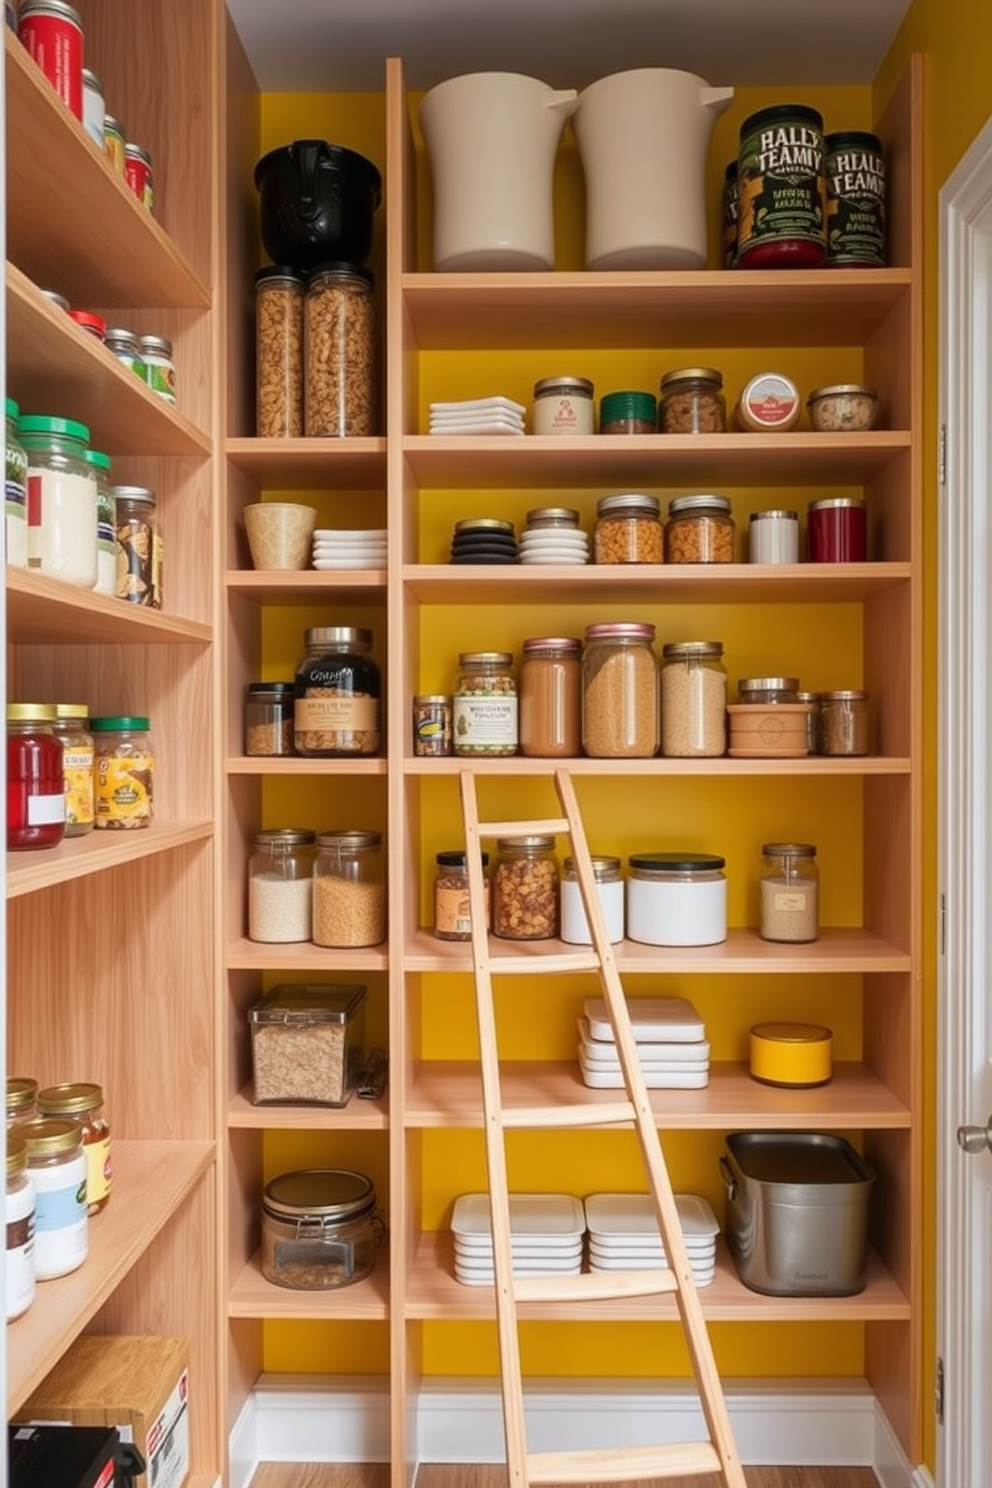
{"type": "Point", "coordinates": [139, 1385]}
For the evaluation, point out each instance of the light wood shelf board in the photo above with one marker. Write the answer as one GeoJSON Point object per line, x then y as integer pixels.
{"type": "Point", "coordinates": [722, 765]}
{"type": "Point", "coordinates": [151, 1180]}
{"type": "Point", "coordinates": [43, 609]}
{"type": "Point", "coordinates": [341, 586]}
{"type": "Point", "coordinates": [357, 1115]}
{"type": "Point", "coordinates": [307, 768]}
{"type": "Point", "coordinates": [311, 464]}
{"type": "Point", "coordinates": [72, 222]}
{"type": "Point", "coordinates": [447, 1094]}
{"type": "Point", "coordinates": [79, 857]}
{"type": "Point", "coordinates": [251, 955]}
{"type": "Point", "coordinates": [252, 1296]}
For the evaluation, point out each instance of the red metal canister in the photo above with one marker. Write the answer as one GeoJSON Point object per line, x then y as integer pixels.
{"type": "Point", "coordinates": [138, 174]}
{"type": "Point", "coordinates": [52, 32]}
{"type": "Point", "coordinates": [837, 530]}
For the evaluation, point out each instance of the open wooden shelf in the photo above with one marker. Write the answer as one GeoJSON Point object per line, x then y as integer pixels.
{"type": "Point", "coordinates": [665, 767]}
{"type": "Point", "coordinates": [97, 852]}
{"type": "Point", "coordinates": [310, 464]}
{"type": "Point", "coordinates": [252, 1296]}
{"type": "Point", "coordinates": [40, 608]}
{"type": "Point", "coordinates": [252, 955]}
{"type": "Point", "coordinates": [357, 1115]}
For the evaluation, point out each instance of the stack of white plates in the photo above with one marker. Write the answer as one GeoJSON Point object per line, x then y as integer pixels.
{"type": "Point", "coordinates": [478, 416]}
{"type": "Point", "coordinates": [623, 1234]}
{"type": "Point", "coordinates": [550, 546]}
{"type": "Point", "coordinates": [364, 548]}
{"type": "Point", "coordinates": [546, 1233]}
{"type": "Point", "coordinates": [671, 1043]}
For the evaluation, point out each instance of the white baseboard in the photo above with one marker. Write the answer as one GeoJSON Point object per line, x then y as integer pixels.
{"type": "Point", "coordinates": [299, 1418]}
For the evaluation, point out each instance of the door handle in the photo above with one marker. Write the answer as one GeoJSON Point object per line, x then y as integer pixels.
{"type": "Point", "coordinates": [975, 1138]}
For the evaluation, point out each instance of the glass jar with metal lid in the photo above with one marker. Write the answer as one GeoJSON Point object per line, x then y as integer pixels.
{"type": "Point", "coordinates": [160, 370]}
{"type": "Point", "coordinates": [83, 1103]}
{"type": "Point", "coordinates": [338, 692]}
{"type": "Point", "coordinates": [280, 885]}
{"type": "Point", "coordinates": [628, 412]}
{"type": "Point", "coordinates": [126, 348]}
{"type": "Point", "coordinates": [319, 1229]}
{"type": "Point", "coordinates": [628, 529]}
{"type": "Point", "coordinates": [844, 722]}
{"type": "Point", "coordinates": [62, 510]}
{"type": "Point", "coordinates": [564, 405]}
{"type": "Point", "coordinates": [484, 705]}
{"type": "Point", "coordinates": [551, 697]}
{"type": "Point", "coordinates": [349, 890]}
{"type": "Point", "coordinates": [691, 401]}
{"type": "Point", "coordinates": [620, 695]}
{"type": "Point", "coordinates": [124, 765]}
{"type": "Point", "coordinates": [106, 532]}
{"type": "Point", "coordinates": [268, 718]}
{"type": "Point", "coordinates": [774, 536]}
{"type": "Point", "coordinates": [789, 892]}
{"type": "Point", "coordinates": [526, 888]}
{"type": "Point", "coordinates": [552, 519]}
{"type": "Point", "coordinates": [17, 491]}
{"type": "Point", "coordinates": [279, 296]}
{"type": "Point", "coordinates": [139, 546]}
{"type": "Point", "coordinates": [19, 1275]}
{"type": "Point", "coordinates": [35, 783]}
{"type": "Point", "coordinates": [339, 352]}
{"type": "Point", "coordinates": [72, 732]}
{"type": "Point", "coordinates": [676, 898]}
{"type": "Point", "coordinates": [812, 700]}
{"type": "Point", "coordinates": [452, 909]}
{"type": "Point", "coordinates": [57, 1165]}
{"type": "Point", "coordinates": [768, 689]}
{"type": "Point", "coordinates": [700, 529]}
{"type": "Point", "coordinates": [693, 699]}
{"type": "Point", "coordinates": [22, 1093]}
{"type": "Point", "coordinates": [608, 877]}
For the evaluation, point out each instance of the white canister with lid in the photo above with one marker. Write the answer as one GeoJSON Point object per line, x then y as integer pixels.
{"type": "Point", "coordinates": [676, 898]}
{"type": "Point", "coordinates": [609, 887]}
{"type": "Point", "coordinates": [774, 536]}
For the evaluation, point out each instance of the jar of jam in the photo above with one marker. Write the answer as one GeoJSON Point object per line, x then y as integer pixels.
{"type": "Point", "coordinates": [338, 691]}
{"type": "Point", "coordinates": [691, 401]}
{"type": "Point", "coordinates": [71, 730]}
{"type": "Point", "coordinates": [628, 529]}
{"type": "Point", "coordinates": [551, 697]}
{"type": "Point", "coordinates": [700, 529]}
{"type": "Point", "coordinates": [35, 784]}
{"type": "Point", "coordinates": [526, 889]}
{"type": "Point", "coordinates": [837, 530]}
{"type": "Point", "coordinates": [782, 189]}
{"type": "Point", "coordinates": [83, 1103]}
{"type": "Point", "coordinates": [563, 405]}
{"type": "Point", "coordinates": [452, 909]}
{"type": "Point", "coordinates": [485, 704]}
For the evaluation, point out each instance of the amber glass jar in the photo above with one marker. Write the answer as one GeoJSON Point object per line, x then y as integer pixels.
{"type": "Point", "coordinates": [22, 1094]}
{"type": "Point", "coordinates": [551, 697]}
{"type": "Point", "coordinates": [83, 1103]}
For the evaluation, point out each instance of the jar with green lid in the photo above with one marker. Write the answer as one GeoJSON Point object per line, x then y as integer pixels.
{"type": "Point", "coordinates": [691, 401]}
{"type": "Point", "coordinates": [526, 888]}
{"type": "Point", "coordinates": [125, 772]}
{"type": "Point", "coordinates": [563, 405]}
{"type": "Point", "coordinates": [57, 1165]}
{"type": "Point", "coordinates": [349, 889]}
{"type": "Point", "coordinates": [62, 499]}
{"type": "Point", "coordinates": [126, 348]}
{"type": "Point", "coordinates": [35, 785]}
{"type": "Point", "coordinates": [338, 691]}
{"type": "Point", "coordinates": [72, 732]}
{"type": "Point", "coordinates": [106, 534]}
{"type": "Point", "coordinates": [279, 296]}
{"type": "Point", "coordinates": [628, 529]}
{"type": "Point", "coordinates": [22, 1094]}
{"type": "Point", "coordinates": [693, 700]}
{"type": "Point", "coordinates": [16, 529]}
{"type": "Point", "coordinates": [484, 704]}
{"type": "Point", "coordinates": [19, 1275]}
{"type": "Point", "coordinates": [138, 546]}
{"type": "Point", "coordinates": [83, 1103]}
{"type": "Point", "coordinates": [280, 885]}
{"type": "Point", "coordinates": [160, 371]}
{"type": "Point", "coordinates": [789, 892]}
{"type": "Point", "coordinates": [628, 413]}
{"type": "Point", "coordinates": [620, 698]}
{"type": "Point", "coordinates": [700, 529]}
{"type": "Point", "coordinates": [339, 352]}
{"type": "Point", "coordinates": [320, 1228]}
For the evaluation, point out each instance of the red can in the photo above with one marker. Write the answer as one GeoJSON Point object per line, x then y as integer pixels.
{"type": "Point", "coordinates": [52, 33]}
{"type": "Point", "coordinates": [837, 530]}
{"type": "Point", "coordinates": [138, 174]}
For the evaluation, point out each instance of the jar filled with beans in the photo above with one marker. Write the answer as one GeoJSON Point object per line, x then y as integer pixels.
{"type": "Point", "coordinates": [628, 529]}
{"type": "Point", "coordinates": [700, 529]}
{"type": "Point", "coordinates": [339, 352]}
{"type": "Point", "coordinates": [691, 401]}
{"type": "Point", "coordinates": [526, 889]}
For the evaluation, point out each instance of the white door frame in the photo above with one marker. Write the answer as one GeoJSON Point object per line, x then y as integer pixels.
{"type": "Point", "coordinates": [964, 1245]}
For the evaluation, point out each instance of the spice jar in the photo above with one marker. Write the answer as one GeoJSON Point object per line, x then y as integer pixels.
{"type": "Point", "coordinates": [279, 294]}
{"type": "Point", "coordinates": [774, 536]}
{"type": "Point", "coordinates": [525, 889]}
{"type": "Point", "coordinates": [628, 529]}
{"type": "Point", "coordinates": [452, 907]}
{"type": "Point", "coordinates": [77, 766]}
{"type": "Point", "coordinates": [62, 507]}
{"type": "Point", "coordinates": [563, 405]}
{"type": "Point", "coordinates": [551, 697]}
{"type": "Point", "coordinates": [485, 704]}
{"type": "Point", "coordinates": [620, 696]}
{"type": "Point", "coordinates": [160, 371]}
{"type": "Point", "coordinates": [319, 1229]}
{"type": "Point", "coordinates": [126, 348]}
{"type": "Point", "coordinates": [339, 352]}
{"type": "Point", "coordinates": [83, 1103]}
{"type": "Point", "coordinates": [57, 1165]}
{"type": "Point", "coordinates": [124, 772]}
{"type": "Point", "coordinates": [16, 522]}
{"type": "Point", "coordinates": [280, 885]}
{"type": "Point", "coordinates": [855, 200]}
{"type": "Point", "coordinates": [628, 413]}
{"type": "Point", "coordinates": [609, 890]}
{"type": "Point", "coordinates": [789, 892]}
{"type": "Point", "coordinates": [268, 718]}
{"type": "Point", "coordinates": [93, 106]}
{"type": "Point", "coordinates": [52, 33]}
{"type": "Point", "coordinates": [676, 899]}
{"type": "Point", "coordinates": [338, 691]}
{"type": "Point", "coordinates": [691, 401]}
{"type": "Point", "coordinates": [22, 1093]}
{"type": "Point", "coordinates": [19, 1274]}
{"type": "Point", "coordinates": [837, 530]}
{"type": "Point", "coordinates": [88, 320]}
{"type": "Point", "coordinates": [844, 722]}
{"type": "Point", "coordinates": [782, 187]}
{"type": "Point", "coordinates": [432, 725]}
{"type": "Point", "coordinates": [35, 784]}
{"type": "Point", "coordinates": [349, 891]}
{"type": "Point", "coordinates": [106, 533]}
{"type": "Point", "coordinates": [693, 700]}
{"type": "Point", "coordinates": [139, 546]}
{"type": "Point", "coordinates": [700, 529]}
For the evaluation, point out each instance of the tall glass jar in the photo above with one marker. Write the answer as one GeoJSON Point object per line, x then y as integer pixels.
{"type": "Point", "coordinates": [693, 700]}
{"type": "Point", "coordinates": [124, 764]}
{"type": "Point", "coordinates": [339, 352]}
{"type": "Point", "coordinates": [139, 546]}
{"type": "Point", "coordinates": [279, 294]}
{"type": "Point", "coordinates": [349, 889]}
{"type": "Point", "coordinates": [19, 1275]}
{"type": "Point", "coordinates": [35, 785]}
{"type": "Point", "coordinates": [106, 535]}
{"type": "Point", "coordinates": [628, 529]}
{"type": "Point", "coordinates": [844, 722]}
{"type": "Point", "coordinates": [17, 492]}
{"type": "Point", "coordinates": [338, 691]}
{"type": "Point", "coordinates": [700, 529]}
{"type": "Point", "coordinates": [620, 695]}
{"type": "Point", "coordinates": [280, 885]}
{"type": "Point", "coordinates": [57, 1164]}
{"type": "Point", "coordinates": [609, 888]}
{"type": "Point", "coordinates": [160, 370]}
{"type": "Point", "coordinates": [83, 1103]}
{"type": "Point", "coordinates": [71, 720]}
{"type": "Point", "coordinates": [526, 889]}
{"type": "Point", "coordinates": [551, 697]}
{"type": "Point", "coordinates": [484, 706]}
{"type": "Point", "coordinates": [62, 499]}
{"type": "Point", "coordinates": [790, 889]}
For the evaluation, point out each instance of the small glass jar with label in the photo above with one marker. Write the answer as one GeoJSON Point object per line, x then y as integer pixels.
{"type": "Point", "coordinates": [349, 889]}
{"type": "Point", "coordinates": [432, 725]}
{"type": "Point", "coordinates": [789, 892]}
{"type": "Point", "coordinates": [160, 369]}
{"type": "Point", "coordinates": [844, 722]}
{"type": "Point", "coordinates": [691, 401]}
{"type": "Point", "coordinates": [526, 889]}
{"type": "Point", "coordinates": [139, 546]}
{"type": "Point", "coordinates": [35, 783]}
{"type": "Point", "coordinates": [609, 889]}
{"type": "Point", "coordinates": [452, 908]}
{"type": "Point", "coordinates": [84, 1104]}
{"type": "Point", "coordinates": [19, 1276]}
{"type": "Point", "coordinates": [71, 720]}
{"type": "Point", "coordinates": [22, 1095]}
{"type": "Point", "coordinates": [485, 715]}
{"type": "Point", "coordinates": [57, 1165]}
{"type": "Point", "coordinates": [280, 885]}
{"type": "Point", "coordinates": [124, 767]}
{"type": "Point", "coordinates": [338, 693]}
{"type": "Point", "coordinates": [126, 348]}
{"type": "Point", "coordinates": [16, 504]}
{"type": "Point", "coordinates": [628, 529]}
{"type": "Point", "coordinates": [693, 700]}
{"type": "Point", "coordinates": [563, 405]}
{"type": "Point", "coordinates": [551, 697]}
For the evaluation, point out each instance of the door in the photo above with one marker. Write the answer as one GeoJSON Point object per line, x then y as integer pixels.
{"type": "Point", "coordinates": [964, 1096]}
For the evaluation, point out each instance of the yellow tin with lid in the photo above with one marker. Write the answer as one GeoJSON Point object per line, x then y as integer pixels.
{"type": "Point", "coordinates": [797, 1054]}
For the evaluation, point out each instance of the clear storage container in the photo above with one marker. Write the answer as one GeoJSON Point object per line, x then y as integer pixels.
{"type": "Point", "coordinates": [62, 499]}
{"type": "Point", "coordinates": [280, 888]}
{"type": "Point", "coordinates": [526, 889]}
{"type": "Point", "coordinates": [485, 707]}
{"type": "Point", "coordinates": [628, 529]}
{"type": "Point", "coordinates": [269, 710]}
{"type": "Point", "coordinates": [339, 352]}
{"type": "Point", "coordinates": [693, 699]}
{"type": "Point", "coordinates": [691, 401]}
{"type": "Point", "coordinates": [789, 892]}
{"type": "Point", "coordinates": [338, 691]}
{"type": "Point", "coordinates": [319, 1229]}
{"type": "Point", "coordinates": [139, 546]}
{"type": "Point", "coordinates": [349, 890]}
{"type": "Point", "coordinates": [279, 295]}
{"type": "Point", "coordinates": [551, 697]}
{"type": "Point", "coordinates": [700, 529]}
{"type": "Point", "coordinates": [306, 1044]}
{"type": "Point", "coordinates": [620, 714]}
{"type": "Point", "coordinates": [844, 722]}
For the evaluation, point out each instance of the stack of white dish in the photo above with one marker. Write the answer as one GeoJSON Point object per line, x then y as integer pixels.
{"type": "Point", "coordinates": [342, 549]}
{"type": "Point", "coordinates": [671, 1044]}
{"type": "Point", "coordinates": [478, 416]}
{"type": "Point", "coordinates": [623, 1234]}
{"type": "Point", "coordinates": [553, 545]}
{"type": "Point", "coordinates": [546, 1232]}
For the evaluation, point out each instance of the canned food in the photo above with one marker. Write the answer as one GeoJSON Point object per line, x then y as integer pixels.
{"type": "Point", "coordinates": [52, 33]}
{"type": "Point", "coordinates": [855, 200]}
{"type": "Point", "coordinates": [837, 530]}
{"type": "Point", "coordinates": [782, 188]}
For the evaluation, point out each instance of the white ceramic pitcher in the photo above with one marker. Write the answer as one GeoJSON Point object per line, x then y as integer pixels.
{"type": "Point", "coordinates": [643, 138]}
{"type": "Point", "coordinates": [492, 138]}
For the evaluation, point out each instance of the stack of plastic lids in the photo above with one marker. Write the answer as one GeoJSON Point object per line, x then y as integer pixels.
{"type": "Point", "coordinates": [334, 548]}
{"type": "Point", "coordinates": [546, 1233]}
{"type": "Point", "coordinates": [478, 416]}
{"type": "Point", "coordinates": [671, 1044]}
{"type": "Point", "coordinates": [623, 1234]}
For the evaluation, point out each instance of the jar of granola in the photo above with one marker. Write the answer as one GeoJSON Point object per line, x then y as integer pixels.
{"type": "Point", "coordinates": [691, 401]}
{"type": "Point", "coordinates": [700, 529]}
{"type": "Point", "coordinates": [339, 352]}
{"type": "Point", "coordinates": [485, 704]}
{"type": "Point", "coordinates": [279, 295]}
{"type": "Point", "coordinates": [628, 529]}
{"type": "Point", "coordinates": [338, 690]}
{"type": "Point", "coordinates": [526, 889]}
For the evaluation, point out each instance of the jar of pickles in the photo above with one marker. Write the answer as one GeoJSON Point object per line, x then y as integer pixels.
{"type": "Point", "coordinates": [484, 709]}
{"type": "Point", "coordinates": [71, 730]}
{"type": "Point", "coordinates": [526, 888]}
{"type": "Point", "coordinates": [83, 1103]}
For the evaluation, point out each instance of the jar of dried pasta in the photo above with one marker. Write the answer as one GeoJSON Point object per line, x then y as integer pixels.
{"type": "Point", "coordinates": [700, 529]}
{"type": "Point", "coordinates": [525, 888]}
{"type": "Point", "coordinates": [691, 401]}
{"type": "Point", "coordinates": [339, 352]}
{"type": "Point", "coordinates": [349, 889]}
{"type": "Point", "coordinates": [338, 691]}
{"type": "Point", "coordinates": [628, 529]}
{"type": "Point", "coordinates": [620, 716]}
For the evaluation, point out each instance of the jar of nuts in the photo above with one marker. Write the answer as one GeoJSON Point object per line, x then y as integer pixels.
{"type": "Point", "coordinates": [525, 889]}
{"type": "Point", "coordinates": [339, 349]}
{"type": "Point", "coordinates": [691, 401]}
{"type": "Point", "coordinates": [485, 704]}
{"type": "Point", "coordinates": [700, 529]}
{"type": "Point", "coordinates": [628, 529]}
{"type": "Point", "coordinates": [279, 353]}
{"type": "Point", "coordinates": [338, 687]}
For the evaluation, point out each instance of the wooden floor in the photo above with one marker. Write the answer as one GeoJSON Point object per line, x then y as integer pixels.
{"type": "Point", "coordinates": [453, 1475]}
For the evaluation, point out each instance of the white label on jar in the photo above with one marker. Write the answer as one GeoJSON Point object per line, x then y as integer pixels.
{"type": "Point", "coordinates": [677, 913]}
{"type": "Point", "coordinates": [564, 413]}
{"type": "Point", "coordinates": [574, 923]}
{"type": "Point", "coordinates": [19, 1277]}
{"type": "Point", "coordinates": [62, 519]}
{"type": "Point", "coordinates": [93, 113]}
{"type": "Point", "coordinates": [485, 721]}
{"type": "Point", "coordinates": [61, 1218]}
{"type": "Point", "coordinates": [160, 374]}
{"type": "Point", "coordinates": [43, 810]}
{"type": "Point", "coordinates": [17, 525]}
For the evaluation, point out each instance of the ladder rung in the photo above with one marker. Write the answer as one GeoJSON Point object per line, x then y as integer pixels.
{"type": "Point", "coordinates": [620, 1464]}
{"type": "Point", "coordinates": [552, 1118]}
{"type": "Point", "coordinates": [595, 1286]}
{"type": "Point", "coordinates": [550, 827]}
{"type": "Point", "coordinates": [543, 963]}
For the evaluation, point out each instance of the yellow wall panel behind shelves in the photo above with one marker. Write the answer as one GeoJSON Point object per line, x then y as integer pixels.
{"type": "Point", "coordinates": [326, 1348]}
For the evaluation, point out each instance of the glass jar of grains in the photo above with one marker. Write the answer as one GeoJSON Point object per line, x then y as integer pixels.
{"type": "Point", "coordinates": [452, 909]}
{"type": "Point", "coordinates": [844, 722]}
{"type": "Point", "coordinates": [620, 713]}
{"type": "Point", "coordinates": [279, 294]}
{"type": "Point", "coordinates": [484, 706]}
{"type": "Point", "coordinates": [339, 352]}
{"type": "Point", "coordinates": [693, 700]}
{"type": "Point", "coordinates": [83, 1103]}
{"type": "Point", "coordinates": [280, 885]}
{"type": "Point", "coordinates": [628, 529]}
{"type": "Point", "coordinates": [349, 891]}
{"type": "Point", "coordinates": [319, 1229]}
{"type": "Point", "coordinates": [551, 697]}
{"type": "Point", "coordinates": [789, 892]}
{"type": "Point", "coordinates": [526, 889]}
{"type": "Point", "coordinates": [268, 719]}
{"type": "Point", "coordinates": [338, 690]}
{"type": "Point", "coordinates": [71, 730]}
{"type": "Point", "coordinates": [691, 401]}
{"type": "Point", "coordinates": [700, 529]}
{"type": "Point", "coordinates": [124, 766]}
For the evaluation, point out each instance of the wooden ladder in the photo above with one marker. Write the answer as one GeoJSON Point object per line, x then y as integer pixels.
{"type": "Point", "coordinates": [718, 1454]}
